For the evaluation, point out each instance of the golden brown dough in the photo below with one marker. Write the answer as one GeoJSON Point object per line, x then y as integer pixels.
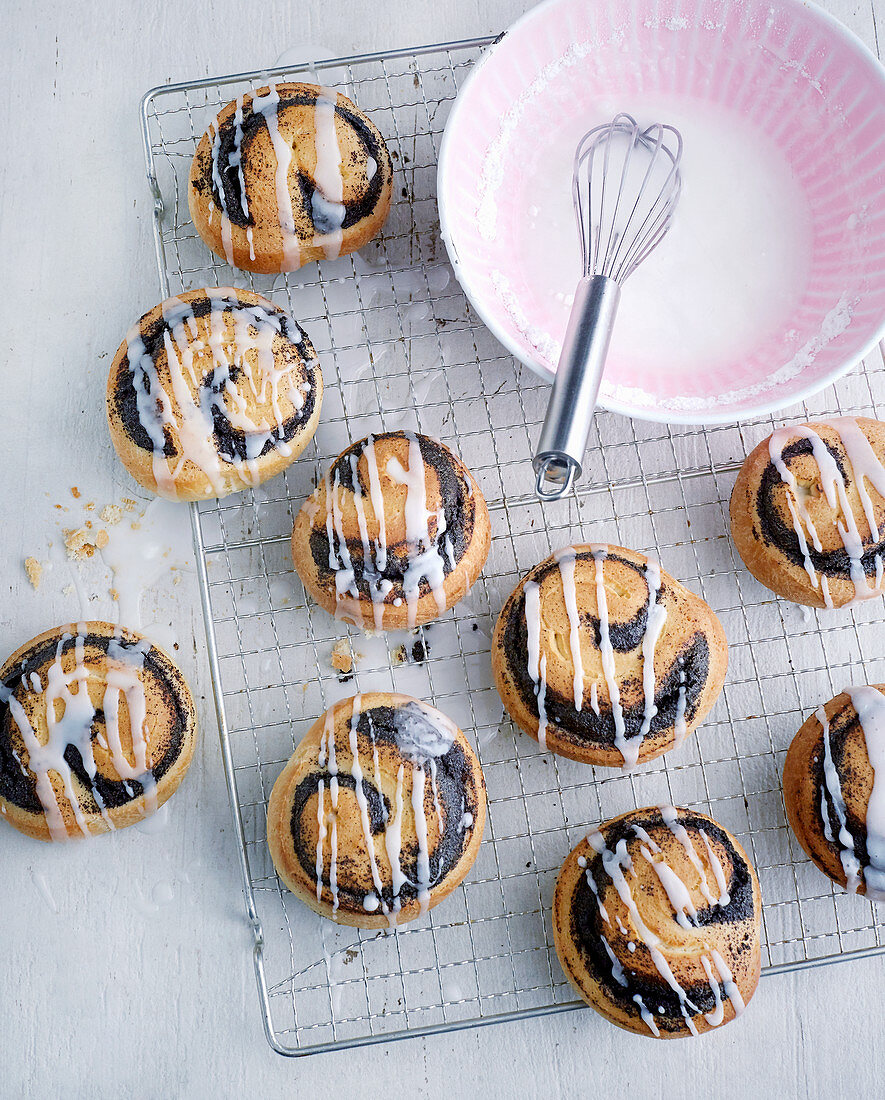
{"type": "Point", "coordinates": [211, 392]}
{"type": "Point", "coordinates": [288, 174]}
{"type": "Point", "coordinates": [394, 535]}
{"type": "Point", "coordinates": [656, 920]}
{"type": "Point", "coordinates": [604, 658]}
{"type": "Point", "coordinates": [808, 511]}
{"type": "Point", "coordinates": [97, 729]}
{"type": "Point", "coordinates": [379, 814]}
{"type": "Point", "coordinates": [834, 789]}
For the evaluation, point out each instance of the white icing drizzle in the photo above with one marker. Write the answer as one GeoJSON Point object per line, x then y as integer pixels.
{"type": "Point", "coordinates": [189, 406]}
{"type": "Point", "coordinates": [614, 863]}
{"type": "Point", "coordinates": [69, 716]}
{"type": "Point", "coordinates": [628, 747]}
{"type": "Point", "coordinates": [618, 861]}
{"type": "Point", "coordinates": [594, 698]}
{"type": "Point", "coordinates": [869, 704]}
{"type": "Point", "coordinates": [675, 889]}
{"type": "Point", "coordinates": [646, 1016]}
{"type": "Point", "coordinates": [425, 562]}
{"type": "Point", "coordinates": [393, 844]}
{"type": "Point", "coordinates": [267, 106]}
{"type": "Point", "coordinates": [537, 661]}
{"type": "Point", "coordinates": [327, 205]}
{"type": "Point", "coordinates": [671, 820]}
{"type": "Point", "coordinates": [327, 759]}
{"type": "Point", "coordinates": [850, 862]}
{"type": "Point", "coordinates": [618, 972]}
{"type": "Point", "coordinates": [356, 772]}
{"type": "Point", "coordinates": [566, 562]}
{"type": "Point", "coordinates": [424, 559]}
{"type": "Point", "coordinates": [655, 619]}
{"type": "Point", "coordinates": [865, 467]}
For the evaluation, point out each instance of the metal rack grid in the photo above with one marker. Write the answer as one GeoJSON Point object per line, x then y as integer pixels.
{"type": "Point", "coordinates": [400, 347]}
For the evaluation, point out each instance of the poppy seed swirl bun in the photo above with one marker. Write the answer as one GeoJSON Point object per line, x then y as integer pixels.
{"type": "Point", "coordinates": [834, 789]}
{"type": "Point", "coordinates": [211, 392]}
{"type": "Point", "coordinates": [97, 729]}
{"type": "Point", "coordinates": [604, 658]}
{"type": "Point", "coordinates": [808, 512]}
{"type": "Point", "coordinates": [394, 535]}
{"type": "Point", "coordinates": [379, 813]}
{"type": "Point", "coordinates": [656, 922]}
{"type": "Point", "coordinates": [288, 174]}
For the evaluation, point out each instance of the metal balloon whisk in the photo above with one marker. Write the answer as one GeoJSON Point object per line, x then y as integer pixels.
{"type": "Point", "coordinates": [625, 186]}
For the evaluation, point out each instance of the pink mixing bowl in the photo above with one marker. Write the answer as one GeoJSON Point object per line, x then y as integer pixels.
{"type": "Point", "coordinates": [781, 69]}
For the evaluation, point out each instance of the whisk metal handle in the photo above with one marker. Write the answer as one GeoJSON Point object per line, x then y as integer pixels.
{"type": "Point", "coordinates": [559, 455]}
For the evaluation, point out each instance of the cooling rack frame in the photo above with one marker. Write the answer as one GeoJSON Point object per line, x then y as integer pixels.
{"type": "Point", "coordinates": [642, 503]}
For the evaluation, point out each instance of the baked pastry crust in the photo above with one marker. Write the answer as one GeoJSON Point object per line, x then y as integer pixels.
{"type": "Point", "coordinates": [656, 919]}
{"type": "Point", "coordinates": [808, 511]}
{"type": "Point", "coordinates": [604, 658]}
{"type": "Point", "coordinates": [289, 174]}
{"type": "Point", "coordinates": [834, 789]}
{"type": "Point", "coordinates": [394, 535]}
{"type": "Point", "coordinates": [386, 855]}
{"type": "Point", "coordinates": [97, 729]}
{"type": "Point", "coordinates": [211, 392]}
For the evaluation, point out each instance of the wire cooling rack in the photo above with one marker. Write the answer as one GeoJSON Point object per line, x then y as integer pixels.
{"type": "Point", "coordinates": [400, 347]}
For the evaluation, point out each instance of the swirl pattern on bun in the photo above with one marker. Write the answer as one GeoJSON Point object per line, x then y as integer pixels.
{"type": "Point", "coordinates": [394, 535]}
{"type": "Point", "coordinates": [379, 813]}
{"type": "Point", "coordinates": [605, 658]}
{"type": "Point", "coordinates": [808, 512]}
{"type": "Point", "coordinates": [656, 922]}
{"type": "Point", "coordinates": [97, 729]}
{"type": "Point", "coordinates": [211, 392]}
{"type": "Point", "coordinates": [834, 789]}
{"type": "Point", "coordinates": [288, 174]}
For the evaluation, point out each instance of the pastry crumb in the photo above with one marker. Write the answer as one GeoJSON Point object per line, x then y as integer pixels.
{"type": "Point", "coordinates": [111, 514]}
{"type": "Point", "coordinates": [34, 571]}
{"type": "Point", "coordinates": [81, 543]}
{"type": "Point", "coordinates": [400, 656]}
{"type": "Point", "coordinates": [89, 506]}
{"type": "Point", "coordinates": [75, 492]}
{"type": "Point", "coordinates": [341, 656]}
{"type": "Point", "coordinates": [129, 504]}
{"type": "Point", "coordinates": [114, 594]}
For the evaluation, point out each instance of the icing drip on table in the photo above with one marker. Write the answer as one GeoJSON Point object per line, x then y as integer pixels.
{"type": "Point", "coordinates": [865, 467]}
{"type": "Point", "coordinates": [191, 402]}
{"type": "Point", "coordinates": [618, 866]}
{"type": "Point", "coordinates": [70, 717]}
{"type": "Point", "coordinates": [869, 704]}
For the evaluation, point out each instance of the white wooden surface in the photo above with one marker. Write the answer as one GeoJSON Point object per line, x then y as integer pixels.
{"type": "Point", "coordinates": [125, 967]}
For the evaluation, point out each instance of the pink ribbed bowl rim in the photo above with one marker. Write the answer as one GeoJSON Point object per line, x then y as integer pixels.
{"type": "Point", "coordinates": [781, 64]}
